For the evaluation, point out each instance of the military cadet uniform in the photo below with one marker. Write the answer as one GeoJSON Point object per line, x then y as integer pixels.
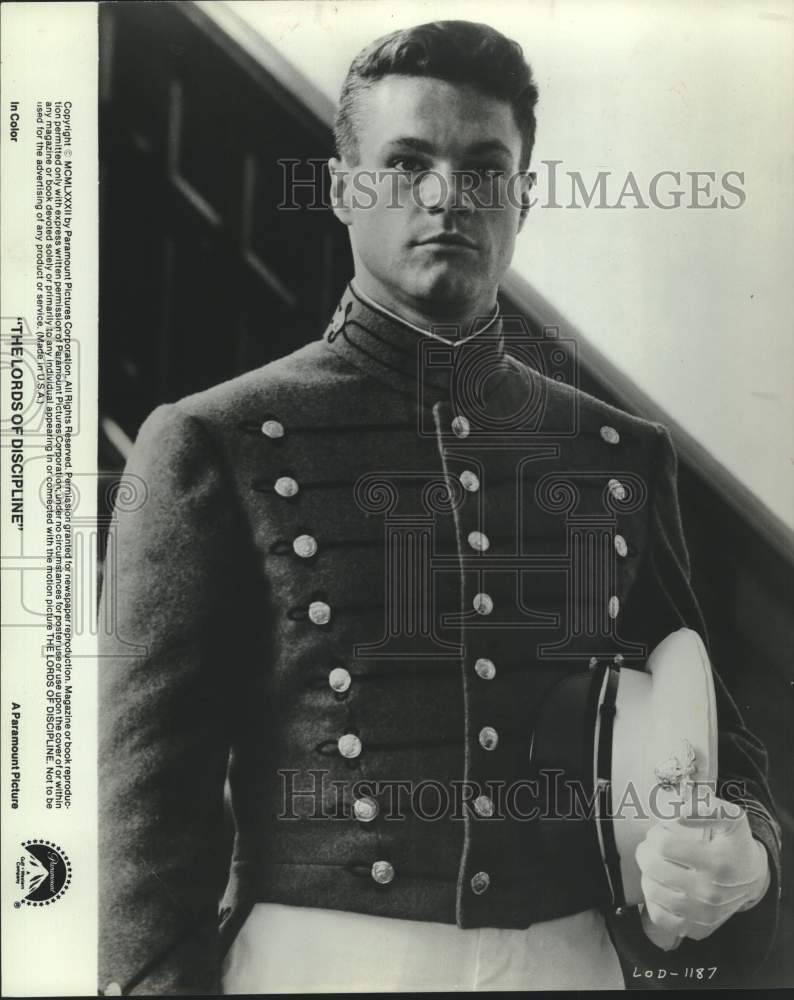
{"type": "Point", "coordinates": [368, 562]}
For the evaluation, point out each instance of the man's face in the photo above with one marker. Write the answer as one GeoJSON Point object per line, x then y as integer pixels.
{"type": "Point", "coordinates": [432, 156]}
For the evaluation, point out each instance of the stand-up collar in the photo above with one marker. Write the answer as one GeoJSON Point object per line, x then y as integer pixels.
{"type": "Point", "coordinates": [398, 354]}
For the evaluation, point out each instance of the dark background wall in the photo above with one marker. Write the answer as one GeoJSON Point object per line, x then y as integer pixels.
{"type": "Point", "coordinates": [203, 277]}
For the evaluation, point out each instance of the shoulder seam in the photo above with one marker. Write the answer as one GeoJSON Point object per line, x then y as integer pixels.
{"type": "Point", "coordinates": [221, 460]}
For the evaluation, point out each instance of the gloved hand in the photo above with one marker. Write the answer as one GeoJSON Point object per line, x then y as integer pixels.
{"type": "Point", "coordinates": [699, 869]}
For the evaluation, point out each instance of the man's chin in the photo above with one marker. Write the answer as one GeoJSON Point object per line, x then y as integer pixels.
{"type": "Point", "coordinates": [449, 290]}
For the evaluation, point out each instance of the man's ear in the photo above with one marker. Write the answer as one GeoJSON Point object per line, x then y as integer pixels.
{"type": "Point", "coordinates": [340, 190]}
{"type": "Point", "coordinates": [525, 195]}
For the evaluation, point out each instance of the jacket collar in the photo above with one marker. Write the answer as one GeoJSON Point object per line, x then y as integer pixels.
{"type": "Point", "coordinates": [398, 354]}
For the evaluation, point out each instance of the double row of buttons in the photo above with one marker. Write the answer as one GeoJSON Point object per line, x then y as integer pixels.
{"type": "Point", "coordinates": [383, 873]}
{"type": "Point", "coordinates": [461, 427]}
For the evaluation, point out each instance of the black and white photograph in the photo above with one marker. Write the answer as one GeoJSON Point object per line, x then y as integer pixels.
{"type": "Point", "coordinates": [432, 581]}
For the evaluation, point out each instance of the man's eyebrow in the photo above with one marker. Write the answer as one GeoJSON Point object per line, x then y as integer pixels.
{"type": "Point", "coordinates": [424, 146]}
{"type": "Point", "coordinates": [489, 146]}
{"type": "Point", "coordinates": [420, 145]}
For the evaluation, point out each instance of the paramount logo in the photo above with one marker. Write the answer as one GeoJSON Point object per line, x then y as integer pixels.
{"type": "Point", "coordinates": [43, 873]}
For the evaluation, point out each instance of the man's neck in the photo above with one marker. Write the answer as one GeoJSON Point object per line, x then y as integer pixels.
{"type": "Point", "coordinates": [451, 327]}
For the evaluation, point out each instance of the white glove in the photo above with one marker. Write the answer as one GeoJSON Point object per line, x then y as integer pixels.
{"type": "Point", "coordinates": [698, 870]}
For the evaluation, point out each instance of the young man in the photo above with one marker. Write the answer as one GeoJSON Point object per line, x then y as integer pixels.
{"type": "Point", "coordinates": [351, 584]}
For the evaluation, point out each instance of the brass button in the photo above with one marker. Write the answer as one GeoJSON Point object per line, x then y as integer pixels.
{"type": "Point", "coordinates": [305, 546]}
{"type": "Point", "coordinates": [489, 738]}
{"type": "Point", "coordinates": [273, 429]}
{"type": "Point", "coordinates": [621, 547]}
{"type": "Point", "coordinates": [485, 668]}
{"type": "Point", "coordinates": [461, 427]}
{"type": "Point", "coordinates": [365, 809]}
{"type": "Point", "coordinates": [286, 486]}
{"type": "Point", "coordinates": [319, 613]}
{"type": "Point", "coordinates": [617, 489]}
{"type": "Point", "coordinates": [469, 481]}
{"type": "Point", "coordinates": [613, 607]}
{"type": "Point", "coordinates": [480, 883]}
{"type": "Point", "coordinates": [339, 679]}
{"type": "Point", "coordinates": [483, 806]}
{"type": "Point", "coordinates": [349, 745]}
{"type": "Point", "coordinates": [382, 872]}
{"type": "Point", "coordinates": [479, 541]}
{"type": "Point", "coordinates": [483, 604]}
{"type": "Point", "coordinates": [610, 435]}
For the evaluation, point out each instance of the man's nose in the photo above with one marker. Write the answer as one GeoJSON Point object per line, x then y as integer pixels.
{"type": "Point", "coordinates": [446, 191]}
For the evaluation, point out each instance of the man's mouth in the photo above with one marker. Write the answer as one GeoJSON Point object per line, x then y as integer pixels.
{"type": "Point", "coordinates": [447, 240]}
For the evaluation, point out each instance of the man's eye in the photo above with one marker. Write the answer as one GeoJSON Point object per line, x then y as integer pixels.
{"type": "Point", "coordinates": [487, 170]}
{"type": "Point", "coordinates": [407, 165]}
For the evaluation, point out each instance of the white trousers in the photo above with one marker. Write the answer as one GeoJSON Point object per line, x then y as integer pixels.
{"type": "Point", "coordinates": [296, 949]}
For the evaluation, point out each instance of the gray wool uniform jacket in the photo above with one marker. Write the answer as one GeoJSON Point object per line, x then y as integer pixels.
{"type": "Point", "coordinates": [358, 569]}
